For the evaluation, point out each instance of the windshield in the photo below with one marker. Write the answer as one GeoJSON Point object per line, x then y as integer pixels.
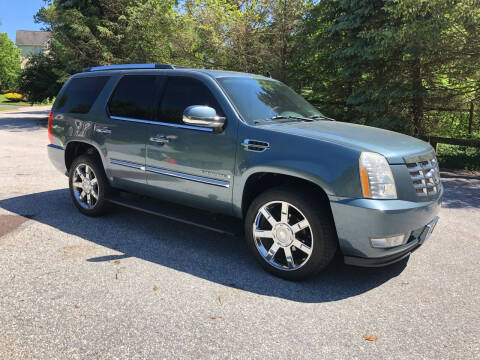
{"type": "Point", "coordinates": [260, 99]}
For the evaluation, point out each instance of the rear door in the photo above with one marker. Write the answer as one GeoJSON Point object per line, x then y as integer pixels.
{"type": "Point", "coordinates": [190, 164]}
{"type": "Point", "coordinates": [130, 108]}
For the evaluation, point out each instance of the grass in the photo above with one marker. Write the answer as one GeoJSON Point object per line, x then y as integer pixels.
{"type": "Point", "coordinates": [7, 108]}
{"type": "Point", "coordinates": [458, 157]}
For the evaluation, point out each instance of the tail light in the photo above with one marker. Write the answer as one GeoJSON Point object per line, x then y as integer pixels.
{"type": "Point", "coordinates": [50, 123]}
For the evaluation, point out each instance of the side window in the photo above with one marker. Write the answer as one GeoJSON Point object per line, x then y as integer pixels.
{"type": "Point", "coordinates": [133, 97]}
{"type": "Point", "coordinates": [80, 94]}
{"type": "Point", "coordinates": [180, 93]}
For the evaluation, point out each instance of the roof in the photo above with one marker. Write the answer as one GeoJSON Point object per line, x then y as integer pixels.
{"type": "Point", "coordinates": [211, 73]}
{"type": "Point", "coordinates": [27, 37]}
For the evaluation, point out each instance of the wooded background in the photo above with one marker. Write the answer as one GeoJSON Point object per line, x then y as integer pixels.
{"type": "Point", "coordinates": [406, 65]}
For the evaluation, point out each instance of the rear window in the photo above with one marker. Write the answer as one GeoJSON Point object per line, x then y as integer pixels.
{"type": "Point", "coordinates": [80, 94]}
{"type": "Point", "coordinates": [134, 97]}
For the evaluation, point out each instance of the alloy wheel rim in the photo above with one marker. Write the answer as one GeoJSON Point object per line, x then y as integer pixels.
{"type": "Point", "coordinates": [283, 235]}
{"type": "Point", "coordinates": [85, 186]}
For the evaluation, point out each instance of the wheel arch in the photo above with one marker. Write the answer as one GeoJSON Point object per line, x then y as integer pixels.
{"type": "Point", "coordinates": [256, 182]}
{"type": "Point", "coordinates": [75, 148]}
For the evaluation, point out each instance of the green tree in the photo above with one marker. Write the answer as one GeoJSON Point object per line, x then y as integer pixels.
{"type": "Point", "coordinates": [285, 18]}
{"type": "Point", "coordinates": [388, 62]}
{"type": "Point", "coordinates": [148, 29]}
{"type": "Point", "coordinates": [9, 64]}
{"type": "Point", "coordinates": [42, 78]}
{"type": "Point", "coordinates": [228, 34]}
{"type": "Point", "coordinates": [86, 32]}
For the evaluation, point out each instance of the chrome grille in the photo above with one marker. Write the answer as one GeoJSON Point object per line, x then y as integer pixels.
{"type": "Point", "coordinates": [425, 175]}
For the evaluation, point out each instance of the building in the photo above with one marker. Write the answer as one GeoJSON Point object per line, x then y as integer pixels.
{"type": "Point", "coordinates": [32, 42]}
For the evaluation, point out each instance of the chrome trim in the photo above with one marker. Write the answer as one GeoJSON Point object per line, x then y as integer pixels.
{"type": "Point", "coordinates": [285, 238]}
{"type": "Point", "coordinates": [198, 115]}
{"type": "Point", "coordinates": [85, 186]}
{"type": "Point", "coordinates": [127, 164]}
{"type": "Point", "coordinates": [249, 145]}
{"type": "Point", "coordinates": [162, 123]}
{"type": "Point", "coordinates": [103, 130]}
{"type": "Point", "coordinates": [418, 158]}
{"type": "Point", "coordinates": [130, 66]}
{"type": "Point", "coordinates": [204, 180]}
{"type": "Point", "coordinates": [160, 139]}
{"type": "Point", "coordinates": [200, 179]}
{"type": "Point", "coordinates": [425, 174]}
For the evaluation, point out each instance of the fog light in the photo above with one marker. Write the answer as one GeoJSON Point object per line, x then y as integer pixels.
{"type": "Point", "coordinates": [387, 242]}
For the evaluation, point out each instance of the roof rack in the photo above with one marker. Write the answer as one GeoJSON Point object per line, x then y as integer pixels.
{"type": "Point", "coordinates": [129, 66]}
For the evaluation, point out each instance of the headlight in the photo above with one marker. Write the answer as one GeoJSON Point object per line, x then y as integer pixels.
{"type": "Point", "coordinates": [376, 177]}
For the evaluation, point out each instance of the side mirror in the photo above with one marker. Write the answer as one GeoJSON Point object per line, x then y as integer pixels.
{"type": "Point", "coordinates": [203, 116]}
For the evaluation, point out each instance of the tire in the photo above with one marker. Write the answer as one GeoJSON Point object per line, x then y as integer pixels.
{"type": "Point", "coordinates": [88, 166]}
{"type": "Point", "coordinates": [291, 249]}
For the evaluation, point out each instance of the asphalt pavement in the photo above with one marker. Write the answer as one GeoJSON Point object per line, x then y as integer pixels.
{"type": "Point", "coordinates": [134, 286]}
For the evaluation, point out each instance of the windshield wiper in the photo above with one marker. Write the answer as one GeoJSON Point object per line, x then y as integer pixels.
{"type": "Point", "coordinates": [323, 117]}
{"type": "Point", "coordinates": [283, 117]}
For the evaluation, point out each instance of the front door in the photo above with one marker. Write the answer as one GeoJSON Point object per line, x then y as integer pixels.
{"type": "Point", "coordinates": [189, 164]}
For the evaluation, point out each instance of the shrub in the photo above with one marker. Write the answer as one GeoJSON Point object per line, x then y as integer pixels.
{"type": "Point", "coordinates": [13, 97]}
{"type": "Point", "coordinates": [42, 78]}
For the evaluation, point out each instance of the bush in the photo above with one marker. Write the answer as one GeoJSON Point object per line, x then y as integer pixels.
{"type": "Point", "coordinates": [458, 157]}
{"type": "Point", "coordinates": [41, 79]}
{"type": "Point", "coordinates": [13, 97]}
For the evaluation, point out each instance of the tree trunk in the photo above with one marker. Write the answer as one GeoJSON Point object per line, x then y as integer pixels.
{"type": "Point", "coordinates": [470, 118]}
{"type": "Point", "coordinates": [417, 99]}
{"type": "Point", "coordinates": [283, 49]}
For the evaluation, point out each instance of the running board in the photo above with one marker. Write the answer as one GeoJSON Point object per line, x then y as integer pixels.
{"type": "Point", "coordinates": [214, 222]}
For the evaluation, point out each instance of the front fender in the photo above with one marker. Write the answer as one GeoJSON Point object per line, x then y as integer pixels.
{"type": "Point", "coordinates": [333, 167]}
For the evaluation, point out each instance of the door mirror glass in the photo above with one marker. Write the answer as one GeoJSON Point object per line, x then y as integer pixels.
{"type": "Point", "coordinates": [203, 116]}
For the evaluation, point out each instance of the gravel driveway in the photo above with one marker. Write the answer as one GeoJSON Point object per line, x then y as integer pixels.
{"type": "Point", "coordinates": [134, 286]}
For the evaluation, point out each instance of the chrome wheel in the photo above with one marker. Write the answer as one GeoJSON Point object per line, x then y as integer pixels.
{"type": "Point", "coordinates": [85, 186]}
{"type": "Point", "coordinates": [283, 235]}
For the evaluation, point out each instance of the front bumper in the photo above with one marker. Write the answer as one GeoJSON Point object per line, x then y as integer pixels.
{"type": "Point", "coordinates": [415, 241]}
{"type": "Point", "coordinates": [359, 220]}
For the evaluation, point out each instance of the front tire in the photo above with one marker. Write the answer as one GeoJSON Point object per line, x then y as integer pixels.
{"type": "Point", "coordinates": [88, 186]}
{"type": "Point", "coordinates": [290, 235]}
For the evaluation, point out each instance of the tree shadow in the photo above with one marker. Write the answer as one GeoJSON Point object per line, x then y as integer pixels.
{"type": "Point", "coordinates": [208, 255]}
{"type": "Point", "coordinates": [29, 120]}
{"type": "Point", "coordinates": [461, 190]}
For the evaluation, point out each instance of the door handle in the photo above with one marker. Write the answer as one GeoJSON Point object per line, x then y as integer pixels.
{"type": "Point", "coordinates": [160, 139]}
{"type": "Point", "coordinates": [103, 130]}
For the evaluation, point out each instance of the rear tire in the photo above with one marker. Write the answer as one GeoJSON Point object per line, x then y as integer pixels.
{"type": "Point", "coordinates": [88, 185]}
{"type": "Point", "coordinates": [290, 235]}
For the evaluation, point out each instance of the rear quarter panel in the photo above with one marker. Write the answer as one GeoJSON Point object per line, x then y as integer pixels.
{"type": "Point", "coordinates": [68, 127]}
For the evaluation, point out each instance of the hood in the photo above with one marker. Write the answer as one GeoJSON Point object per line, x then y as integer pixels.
{"type": "Point", "coordinates": [394, 146]}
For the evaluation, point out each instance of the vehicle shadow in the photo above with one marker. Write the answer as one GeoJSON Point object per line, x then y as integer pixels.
{"type": "Point", "coordinates": [461, 190]}
{"type": "Point", "coordinates": [208, 255]}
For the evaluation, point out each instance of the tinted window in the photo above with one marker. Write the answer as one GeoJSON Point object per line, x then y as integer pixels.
{"type": "Point", "coordinates": [80, 94]}
{"type": "Point", "coordinates": [180, 93]}
{"type": "Point", "coordinates": [133, 97]}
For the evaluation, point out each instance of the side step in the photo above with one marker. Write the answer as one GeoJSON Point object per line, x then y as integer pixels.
{"type": "Point", "coordinates": [210, 221]}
